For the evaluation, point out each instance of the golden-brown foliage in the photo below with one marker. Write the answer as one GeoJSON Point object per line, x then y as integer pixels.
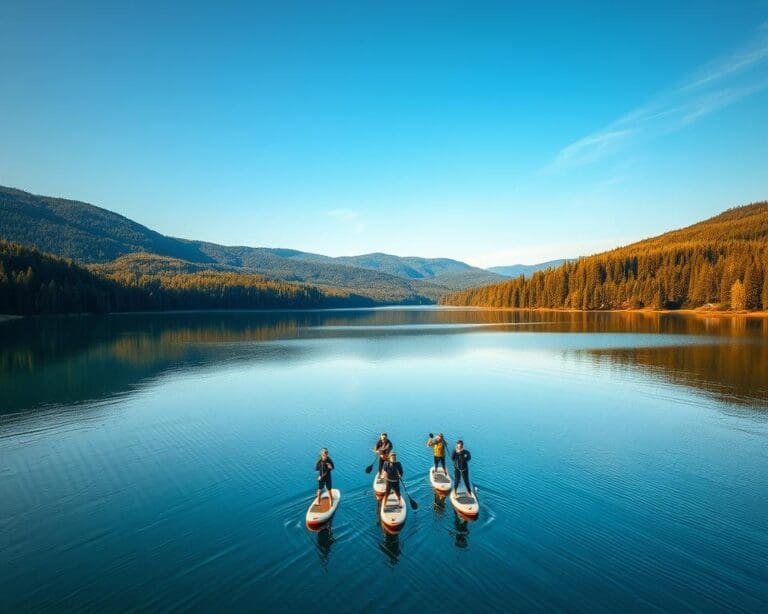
{"type": "Point", "coordinates": [690, 267]}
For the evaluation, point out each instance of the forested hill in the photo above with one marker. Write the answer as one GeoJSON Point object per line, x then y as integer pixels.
{"type": "Point", "coordinates": [444, 271]}
{"type": "Point", "coordinates": [34, 283]}
{"type": "Point", "coordinates": [92, 235]}
{"type": "Point", "coordinates": [722, 260]}
{"type": "Point", "coordinates": [82, 232]}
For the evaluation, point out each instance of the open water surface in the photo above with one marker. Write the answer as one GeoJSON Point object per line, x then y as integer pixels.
{"type": "Point", "coordinates": [166, 461]}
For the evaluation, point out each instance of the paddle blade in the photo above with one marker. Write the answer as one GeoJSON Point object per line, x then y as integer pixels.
{"type": "Point", "coordinates": [369, 468]}
{"type": "Point", "coordinates": [413, 503]}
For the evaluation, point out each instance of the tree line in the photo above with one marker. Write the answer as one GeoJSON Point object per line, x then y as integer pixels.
{"type": "Point", "coordinates": [34, 283]}
{"type": "Point", "coordinates": [729, 274]}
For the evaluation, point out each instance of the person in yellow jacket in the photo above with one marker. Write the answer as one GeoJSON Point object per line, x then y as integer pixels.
{"type": "Point", "coordinates": [438, 449]}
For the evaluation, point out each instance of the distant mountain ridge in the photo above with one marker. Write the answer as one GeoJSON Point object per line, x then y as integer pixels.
{"type": "Point", "coordinates": [515, 270]}
{"type": "Point", "coordinates": [92, 235]}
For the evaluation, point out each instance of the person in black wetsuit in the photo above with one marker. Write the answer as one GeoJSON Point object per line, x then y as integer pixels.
{"type": "Point", "coordinates": [393, 471]}
{"type": "Point", "coordinates": [324, 466]}
{"type": "Point", "coordinates": [461, 458]}
{"type": "Point", "coordinates": [383, 448]}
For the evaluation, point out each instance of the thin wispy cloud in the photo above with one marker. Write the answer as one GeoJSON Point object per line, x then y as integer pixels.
{"type": "Point", "coordinates": [592, 147]}
{"type": "Point", "coordinates": [717, 85]}
{"type": "Point", "coordinates": [744, 59]}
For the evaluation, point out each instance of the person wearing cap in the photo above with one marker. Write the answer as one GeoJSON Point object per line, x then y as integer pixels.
{"type": "Point", "coordinates": [438, 450]}
{"type": "Point", "coordinates": [461, 458]}
{"type": "Point", "coordinates": [324, 466]}
{"type": "Point", "coordinates": [383, 447]}
{"type": "Point", "coordinates": [393, 471]}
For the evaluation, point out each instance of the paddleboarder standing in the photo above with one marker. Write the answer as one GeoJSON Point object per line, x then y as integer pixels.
{"type": "Point", "coordinates": [461, 458]}
{"type": "Point", "coordinates": [393, 471]}
{"type": "Point", "coordinates": [324, 466]}
{"type": "Point", "coordinates": [438, 450]}
{"type": "Point", "coordinates": [383, 448]}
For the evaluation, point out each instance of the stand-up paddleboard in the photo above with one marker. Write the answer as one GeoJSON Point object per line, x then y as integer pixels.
{"type": "Point", "coordinates": [465, 503]}
{"type": "Point", "coordinates": [320, 513]}
{"type": "Point", "coordinates": [392, 512]}
{"type": "Point", "coordinates": [440, 479]}
{"type": "Point", "coordinates": [379, 485]}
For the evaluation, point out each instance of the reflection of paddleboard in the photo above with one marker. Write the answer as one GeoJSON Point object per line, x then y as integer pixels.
{"type": "Point", "coordinates": [440, 479]}
{"type": "Point", "coordinates": [319, 514]}
{"type": "Point", "coordinates": [465, 503]}
{"type": "Point", "coordinates": [392, 512]}
{"type": "Point", "coordinates": [379, 485]}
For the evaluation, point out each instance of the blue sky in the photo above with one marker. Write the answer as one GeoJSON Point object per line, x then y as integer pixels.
{"type": "Point", "coordinates": [494, 133]}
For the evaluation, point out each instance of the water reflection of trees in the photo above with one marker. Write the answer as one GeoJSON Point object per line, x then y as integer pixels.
{"type": "Point", "coordinates": [735, 371]}
{"type": "Point", "coordinates": [68, 360]}
{"type": "Point", "coordinates": [28, 343]}
{"type": "Point", "coordinates": [72, 359]}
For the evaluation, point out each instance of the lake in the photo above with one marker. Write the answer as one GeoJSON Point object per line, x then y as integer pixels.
{"type": "Point", "coordinates": [167, 460]}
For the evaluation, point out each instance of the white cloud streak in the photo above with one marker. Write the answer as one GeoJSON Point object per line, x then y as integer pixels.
{"type": "Point", "coordinates": [721, 83]}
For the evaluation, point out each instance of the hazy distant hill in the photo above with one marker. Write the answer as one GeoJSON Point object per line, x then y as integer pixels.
{"type": "Point", "coordinates": [444, 271]}
{"type": "Point", "coordinates": [722, 260]}
{"type": "Point", "coordinates": [515, 270]}
{"type": "Point", "coordinates": [92, 235]}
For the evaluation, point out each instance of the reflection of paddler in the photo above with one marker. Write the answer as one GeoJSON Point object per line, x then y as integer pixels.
{"type": "Point", "coordinates": [391, 547]}
{"type": "Point", "coordinates": [324, 542]}
{"type": "Point", "coordinates": [438, 450]}
{"type": "Point", "coordinates": [461, 531]}
{"type": "Point", "coordinates": [324, 466]}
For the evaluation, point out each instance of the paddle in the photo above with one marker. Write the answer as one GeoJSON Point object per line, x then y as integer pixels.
{"type": "Point", "coordinates": [369, 468]}
{"type": "Point", "coordinates": [413, 503]}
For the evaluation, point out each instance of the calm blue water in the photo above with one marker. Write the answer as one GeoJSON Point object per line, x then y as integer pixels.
{"type": "Point", "coordinates": [166, 461]}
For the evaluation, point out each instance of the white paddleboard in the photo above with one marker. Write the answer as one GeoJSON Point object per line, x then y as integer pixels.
{"type": "Point", "coordinates": [465, 503]}
{"type": "Point", "coordinates": [318, 515]}
{"type": "Point", "coordinates": [440, 479]}
{"type": "Point", "coordinates": [392, 513]}
{"type": "Point", "coordinates": [379, 485]}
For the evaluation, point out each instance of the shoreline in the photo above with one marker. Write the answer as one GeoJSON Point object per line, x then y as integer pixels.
{"type": "Point", "coordinates": [698, 312]}
{"type": "Point", "coordinates": [709, 313]}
